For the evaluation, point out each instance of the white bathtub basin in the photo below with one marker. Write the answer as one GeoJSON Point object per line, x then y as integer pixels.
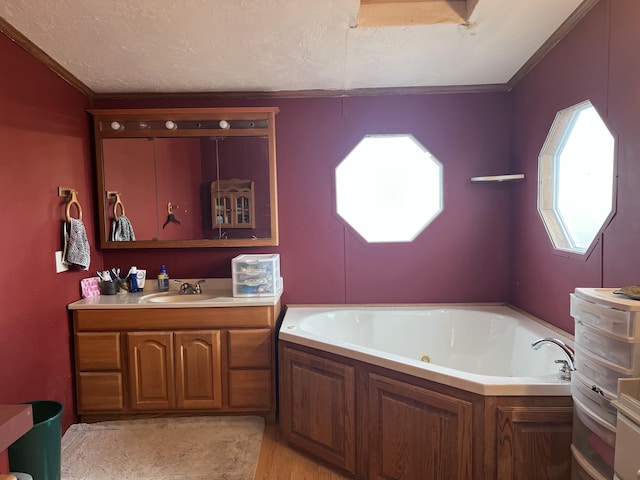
{"type": "Point", "coordinates": [481, 349]}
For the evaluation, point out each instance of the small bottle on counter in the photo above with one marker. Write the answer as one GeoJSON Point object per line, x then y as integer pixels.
{"type": "Point", "coordinates": [163, 280]}
{"type": "Point", "coordinates": [133, 279]}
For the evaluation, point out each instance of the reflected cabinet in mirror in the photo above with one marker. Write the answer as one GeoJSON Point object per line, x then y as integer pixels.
{"type": "Point", "coordinates": [192, 177]}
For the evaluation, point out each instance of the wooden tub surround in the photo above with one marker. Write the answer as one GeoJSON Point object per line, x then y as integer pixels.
{"type": "Point", "coordinates": [424, 392]}
{"type": "Point", "coordinates": [371, 422]}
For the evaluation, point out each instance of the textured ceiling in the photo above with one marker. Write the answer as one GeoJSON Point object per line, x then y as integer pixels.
{"type": "Point", "coordinates": [124, 46]}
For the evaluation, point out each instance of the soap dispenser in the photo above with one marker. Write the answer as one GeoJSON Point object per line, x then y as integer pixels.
{"type": "Point", "coordinates": [163, 280]}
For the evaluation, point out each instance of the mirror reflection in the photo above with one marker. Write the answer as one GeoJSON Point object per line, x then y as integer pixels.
{"type": "Point", "coordinates": [190, 185]}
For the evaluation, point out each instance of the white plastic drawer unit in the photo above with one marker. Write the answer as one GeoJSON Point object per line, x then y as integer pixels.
{"type": "Point", "coordinates": [256, 275]}
{"type": "Point", "coordinates": [599, 372]}
{"type": "Point", "coordinates": [622, 351]}
{"type": "Point", "coordinates": [594, 439]}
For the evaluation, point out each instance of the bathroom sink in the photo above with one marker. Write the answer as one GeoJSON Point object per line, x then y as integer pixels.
{"type": "Point", "coordinates": [176, 298]}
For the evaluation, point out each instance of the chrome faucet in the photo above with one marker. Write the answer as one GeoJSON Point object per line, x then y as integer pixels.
{"type": "Point", "coordinates": [187, 288]}
{"type": "Point", "coordinates": [568, 366]}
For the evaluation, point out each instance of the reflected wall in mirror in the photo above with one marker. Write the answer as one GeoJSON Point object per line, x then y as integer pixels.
{"type": "Point", "coordinates": [186, 177]}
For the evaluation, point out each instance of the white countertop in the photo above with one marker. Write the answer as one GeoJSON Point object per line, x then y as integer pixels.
{"type": "Point", "coordinates": [221, 288]}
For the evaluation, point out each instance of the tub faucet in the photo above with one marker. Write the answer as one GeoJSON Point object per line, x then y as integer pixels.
{"type": "Point", "coordinates": [568, 366]}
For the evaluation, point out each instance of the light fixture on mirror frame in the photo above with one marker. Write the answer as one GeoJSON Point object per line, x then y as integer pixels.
{"type": "Point", "coordinates": [126, 127]}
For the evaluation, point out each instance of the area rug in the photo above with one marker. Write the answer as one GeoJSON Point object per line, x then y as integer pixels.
{"type": "Point", "coordinates": [194, 448]}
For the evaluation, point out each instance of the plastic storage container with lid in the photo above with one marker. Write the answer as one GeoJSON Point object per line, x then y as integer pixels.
{"type": "Point", "coordinates": [256, 275]}
{"type": "Point", "coordinates": [607, 348]}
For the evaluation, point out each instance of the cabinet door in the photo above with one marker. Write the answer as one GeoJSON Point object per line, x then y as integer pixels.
{"type": "Point", "coordinates": [317, 407]}
{"type": "Point", "coordinates": [198, 369]}
{"type": "Point", "coordinates": [416, 433]}
{"type": "Point", "coordinates": [244, 211]}
{"type": "Point", "coordinates": [151, 374]}
{"type": "Point", "coordinates": [223, 216]}
{"type": "Point", "coordinates": [534, 443]}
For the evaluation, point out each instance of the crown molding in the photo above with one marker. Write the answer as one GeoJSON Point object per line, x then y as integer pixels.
{"type": "Point", "coordinates": [41, 56]}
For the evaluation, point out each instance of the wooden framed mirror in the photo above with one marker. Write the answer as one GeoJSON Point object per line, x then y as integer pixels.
{"type": "Point", "coordinates": [159, 173]}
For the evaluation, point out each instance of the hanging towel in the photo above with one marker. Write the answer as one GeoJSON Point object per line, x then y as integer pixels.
{"type": "Point", "coordinates": [76, 244]}
{"type": "Point", "coordinates": [122, 230]}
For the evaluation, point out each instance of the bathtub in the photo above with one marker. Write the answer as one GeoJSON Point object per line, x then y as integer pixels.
{"type": "Point", "coordinates": [480, 349]}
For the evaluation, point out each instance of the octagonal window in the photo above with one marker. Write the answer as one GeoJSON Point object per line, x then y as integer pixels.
{"type": "Point", "coordinates": [576, 178]}
{"type": "Point", "coordinates": [389, 188]}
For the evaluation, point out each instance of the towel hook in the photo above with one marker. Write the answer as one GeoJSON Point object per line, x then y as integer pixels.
{"type": "Point", "coordinates": [72, 200]}
{"type": "Point", "coordinates": [117, 203]}
{"type": "Point", "coordinates": [170, 216]}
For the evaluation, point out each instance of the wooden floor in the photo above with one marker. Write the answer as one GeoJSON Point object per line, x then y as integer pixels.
{"type": "Point", "coordinates": [278, 461]}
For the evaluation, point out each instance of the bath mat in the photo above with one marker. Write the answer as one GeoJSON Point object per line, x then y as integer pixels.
{"type": "Point", "coordinates": [194, 448]}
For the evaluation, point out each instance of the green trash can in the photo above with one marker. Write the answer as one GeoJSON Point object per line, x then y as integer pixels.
{"type": "Point", "coordinates": [38, 451]}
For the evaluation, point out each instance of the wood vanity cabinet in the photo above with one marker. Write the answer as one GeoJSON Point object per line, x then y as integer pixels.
{"type": "Point", "coordinates": [141, 361]}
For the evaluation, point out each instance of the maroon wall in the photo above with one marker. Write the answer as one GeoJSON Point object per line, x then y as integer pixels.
{"type": "Point", "coordinates": [460, 257]}
{"type": "Point", "coordinates": [597, 61]}
{"type": "Point", "coordinates": [44, 143]}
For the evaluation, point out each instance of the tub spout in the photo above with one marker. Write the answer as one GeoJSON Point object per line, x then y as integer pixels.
{"type": "Point", "coordinates": [568, 365]}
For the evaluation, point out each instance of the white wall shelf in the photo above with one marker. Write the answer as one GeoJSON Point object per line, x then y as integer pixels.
{"type": "Point", "coordinates": [498, 178]}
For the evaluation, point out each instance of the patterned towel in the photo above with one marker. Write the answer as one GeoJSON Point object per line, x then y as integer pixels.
{"type": "Point", "coordinates": [122, 230]}
{"type": "Point", "coordinates": [76, 244]}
